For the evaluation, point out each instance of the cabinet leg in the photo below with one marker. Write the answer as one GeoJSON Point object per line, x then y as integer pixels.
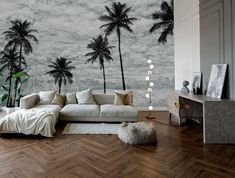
{"type": "Point", "coordinates": [180, 121]}
{"type": "Point", "coordinates": [170, 116]}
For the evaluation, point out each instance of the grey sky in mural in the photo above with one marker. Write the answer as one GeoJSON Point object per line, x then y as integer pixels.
{"type": "Point", "coordinates": [67, 26]}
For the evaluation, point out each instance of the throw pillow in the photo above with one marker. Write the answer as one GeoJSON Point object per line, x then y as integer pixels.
{"type": "Point", "coordinates": [71, 98]}
{"type": "Point", "coordinates": [119, 98]}
{"type": "Point", "coordinates": [85, 97]}
{"type": "Point", "coordinates": [59, 100]}
{"type": "Point", "coordinates": [129, 97]}
{"type": "Point", "coordinates": [46, 96]}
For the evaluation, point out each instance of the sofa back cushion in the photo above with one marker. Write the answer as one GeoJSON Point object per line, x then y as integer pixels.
{"type": "Point", "coordinates": [59, 100]}
{"type": "Point", "coordinates": [104, 98]}
{"type": "Point", "coordinates": [70, 98]}
{"type": "Point", "coordinates": [109, 98]}
{"type": "Point", "coordinates": [129, 98]}
{"type": "Point", "coordinates": [85, 97]}
{"type": "Point", "coordinates": [46, 97]}
{"type": "Point", "coordinates": [119, 98]}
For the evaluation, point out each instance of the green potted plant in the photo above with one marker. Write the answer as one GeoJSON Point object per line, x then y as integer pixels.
{"type": "Point", "coordinates": [8, 59]}
{"type": "Point", "coordinates": [7, 96]}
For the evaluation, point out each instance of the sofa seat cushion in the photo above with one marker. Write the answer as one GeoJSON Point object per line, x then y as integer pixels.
{"type": "Point", "coordinates": [53, 108]}
{"type": "Point", "coordinates": [76, 111]}
{"type": "Point", "coordinates": [117, 111]}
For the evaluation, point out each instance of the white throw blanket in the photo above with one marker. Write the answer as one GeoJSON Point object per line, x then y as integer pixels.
{"type": "Point", "coordinates": [29, 122]}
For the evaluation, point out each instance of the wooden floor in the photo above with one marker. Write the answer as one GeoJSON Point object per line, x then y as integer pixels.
{"type": "Point", "coordinates": [179, 153]}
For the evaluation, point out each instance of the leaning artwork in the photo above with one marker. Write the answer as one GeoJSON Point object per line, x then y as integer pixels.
{"type": "Point", "coordinates": [216, 82]}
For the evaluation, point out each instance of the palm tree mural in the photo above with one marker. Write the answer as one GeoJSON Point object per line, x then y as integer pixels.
{"type": "Point", "coordinates": [19, 35]}
{"type": "Point", "coordinates": [101, 52]}
{"type": "Point", "coordinates": [117, 19]}
{"type": "Point", "coordinates": [165, 21]}
{"type": "Point", "coordinates": [8, 61]}
{"type": "Point", "coordinates": [61, 71]}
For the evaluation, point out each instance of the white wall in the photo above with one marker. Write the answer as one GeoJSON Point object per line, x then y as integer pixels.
{"type": "Point", "coordinates": [201, 42]}
{"type": "Point", "coordinates": [187, 40]}
{"type": "Point", "coordinates": [217, 38]}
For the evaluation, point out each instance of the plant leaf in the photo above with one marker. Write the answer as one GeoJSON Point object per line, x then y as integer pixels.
{"type": "Point", "coordinates": [24, 80]}
{"type": "Point", "coordinates": [20, 74]}
{"type": "Point", "coordinates": [19, 86]}
{"type": "Point", "coordinates": [4, 88]}
{"type": "Point", "coordinates": [3, 97]}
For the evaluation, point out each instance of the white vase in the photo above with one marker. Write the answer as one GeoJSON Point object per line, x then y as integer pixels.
{"type": "Point", "coordinates": [10, 110]}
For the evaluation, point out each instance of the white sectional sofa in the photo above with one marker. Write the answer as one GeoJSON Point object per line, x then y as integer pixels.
{"type": "Point", "coordinates": [104, 111]}
{"type": "Point", "coordinates": [31, 102]}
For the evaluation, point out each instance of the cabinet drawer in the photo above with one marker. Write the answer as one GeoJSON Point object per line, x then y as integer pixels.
{"type": "Point", "coordinates": [172, 101]}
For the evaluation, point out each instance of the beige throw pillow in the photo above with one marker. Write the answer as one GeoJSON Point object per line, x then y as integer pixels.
{"type": "Point", "coordinates": [58, 100]}
{"type": "Point", "coordinates": [71, 98]}
{"type": "Point", "coordinates": [119, 98]}
{"type": "Point", "coordinates": [85, 97]}
{"type": "Point", "coordinates": [46, 97]}
{"type": "Point", "coordinates": [129, 97]}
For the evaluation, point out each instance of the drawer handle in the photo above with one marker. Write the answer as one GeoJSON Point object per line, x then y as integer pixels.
{"type": "Point", "coordinates": [178, 105]}
{"type": "Point", "coordinates": [182, 106]}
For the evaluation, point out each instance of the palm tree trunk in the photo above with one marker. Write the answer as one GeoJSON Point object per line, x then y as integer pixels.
{"type": "Point", "coordinates": [14, 101]}
{"type": "Point", "coordinates": [60, 83]}
{"type": "Point", "coordinates": [104, 79]}
{"type": "Point", "coordinates": [9, 89]}
{"type": "Point", "coordinates": [9, 92]}
{"type": "Point", "coordinates": [120, 55]}
{"type": "Point", "coordinates": [18, 80]}
{"type": "Point", "coordinates": [20, 55]}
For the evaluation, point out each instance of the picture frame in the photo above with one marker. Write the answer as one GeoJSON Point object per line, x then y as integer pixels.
{"type": "Point", "coordinates": [217, 80]}
{"type": "Point", "coordinates": [197, 83]}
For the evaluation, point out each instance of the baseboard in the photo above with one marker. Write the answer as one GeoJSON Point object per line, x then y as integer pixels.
{"type": "Point", "coordinates": [155, 109]}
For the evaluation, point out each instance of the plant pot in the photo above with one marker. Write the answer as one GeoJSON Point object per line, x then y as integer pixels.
{"type": "Point", "coordinates": [10, 110]}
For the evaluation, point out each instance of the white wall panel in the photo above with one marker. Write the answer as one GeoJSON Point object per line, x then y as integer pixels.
{"type": "Point", "coordinates": [187, 41]}
{"type": "Point", "coordinates": [205, 39]}
{"type": "Point", "coordinates": [217, 38]}
{"type": "Point", "coordinates": [210, 43]}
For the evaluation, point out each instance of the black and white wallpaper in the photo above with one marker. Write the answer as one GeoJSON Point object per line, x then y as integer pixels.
{"type": "Point", "coordinates": [66, 27]}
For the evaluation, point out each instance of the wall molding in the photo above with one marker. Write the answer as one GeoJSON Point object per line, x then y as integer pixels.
{"type": "Point", "coordinates": [187, 41]}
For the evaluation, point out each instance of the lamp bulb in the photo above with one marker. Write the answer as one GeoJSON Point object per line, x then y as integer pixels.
{"type": "Point", "coordinates": [147, 95]}
{"type": "Point", "coordinates": [151, 84]}
{"type": "Point", "coordinates": [150, 89]}
{"type": "Point", "coordinates": [151, 66]}
{"type": "Point", "coordinates": [150, 72]}
{"type": "Point", "coordinates": [149, 61]}
{"type": "Point", "coordinates": [147, 78]}
{"type": "Point", "coordinates": [150, 108]}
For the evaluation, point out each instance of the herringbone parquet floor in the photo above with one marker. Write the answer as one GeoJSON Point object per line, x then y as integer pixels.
{"type": "Point", "coordinates": [179, 153]}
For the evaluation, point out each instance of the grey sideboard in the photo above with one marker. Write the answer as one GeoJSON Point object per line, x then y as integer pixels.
{"type": "Point", "coordinates": [218, 115]}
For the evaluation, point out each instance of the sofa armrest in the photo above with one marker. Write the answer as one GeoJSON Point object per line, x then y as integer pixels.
{"type": "Point", "coordinates": [28, 101]}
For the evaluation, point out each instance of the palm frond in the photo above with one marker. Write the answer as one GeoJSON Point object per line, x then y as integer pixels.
{"type": "Point", "coordinates": [165, 32]}
{"type": "Point", "coordinates": [106, 18]}
{"type": "Point", "coordinates": [127, 27]}
{"type": "Point", "coordinates": [111, 13]}
{"type": "Point", "coordinates": [100, 50]}
{"type": "Point", "coordinates": [61, 70]}
{"type": "Point", "coordinates": [165, 21]}
{"type": "Point", "coordinates": [21, 33]}
{"type": "Point", "coordinates": [33, 38]}
{"type": "Point", "coordinates": [117, 17]}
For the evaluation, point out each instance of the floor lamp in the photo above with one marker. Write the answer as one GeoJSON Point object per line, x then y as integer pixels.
{"type": "Point", "coordinates": [149, 95]}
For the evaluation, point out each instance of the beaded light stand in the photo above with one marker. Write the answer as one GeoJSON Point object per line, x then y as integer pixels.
{"type": "Point", "coordinates": [150, 90]}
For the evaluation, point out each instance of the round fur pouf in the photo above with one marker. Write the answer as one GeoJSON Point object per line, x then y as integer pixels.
{"type": "Point", "coordinates": [137, 133]}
